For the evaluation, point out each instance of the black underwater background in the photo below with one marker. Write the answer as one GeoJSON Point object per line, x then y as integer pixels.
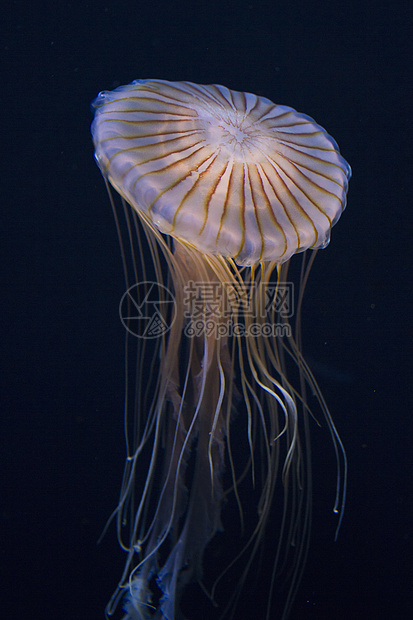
{"type": "Point", "coordinates": [346, 64]}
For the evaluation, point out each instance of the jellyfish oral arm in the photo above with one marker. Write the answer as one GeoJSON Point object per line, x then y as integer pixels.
{"type": "Point", "coordinates": [189, 506]}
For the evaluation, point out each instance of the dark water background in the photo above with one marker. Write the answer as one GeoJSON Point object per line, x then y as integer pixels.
{"type": "Point", "coordinates": [344, 63]}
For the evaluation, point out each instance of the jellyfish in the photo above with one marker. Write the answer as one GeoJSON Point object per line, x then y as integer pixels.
{"type": "Point", "coordinates": [222, 188]}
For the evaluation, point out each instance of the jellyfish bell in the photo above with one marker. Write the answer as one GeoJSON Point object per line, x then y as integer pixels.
{"type": "Point", "coordinates": [231, 173]}
{"type": "Point", "coordinates": [227, 187]}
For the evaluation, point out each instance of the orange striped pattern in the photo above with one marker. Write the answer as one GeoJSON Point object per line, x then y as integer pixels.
{"type": "Point", "coordinates": [230, 172]}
